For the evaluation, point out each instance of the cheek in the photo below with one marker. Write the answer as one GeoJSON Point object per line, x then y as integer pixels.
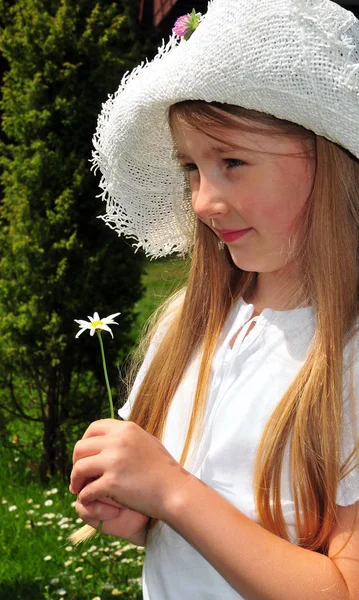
{"type": "Point", "coordinates": [281, 204]}
{"type": "Point", "coordinates": [274, 212]}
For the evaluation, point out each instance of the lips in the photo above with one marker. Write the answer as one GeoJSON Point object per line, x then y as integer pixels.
{"type": "Point", "coordinates": [230, 235]}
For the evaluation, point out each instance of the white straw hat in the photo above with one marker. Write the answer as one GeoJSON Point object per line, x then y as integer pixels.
{"type": "Point", "coordinates": [295, 59]}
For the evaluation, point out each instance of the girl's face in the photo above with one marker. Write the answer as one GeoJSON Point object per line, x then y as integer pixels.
{"type": "Point", "coordinates": [250, 188]}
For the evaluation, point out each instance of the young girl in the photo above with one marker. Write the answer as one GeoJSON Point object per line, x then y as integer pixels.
{"type": "Point", "coordinates": [237, 460]}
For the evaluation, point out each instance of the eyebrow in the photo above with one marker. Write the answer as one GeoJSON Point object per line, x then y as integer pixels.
{"type": "Point", "coordinates": [220, 149]}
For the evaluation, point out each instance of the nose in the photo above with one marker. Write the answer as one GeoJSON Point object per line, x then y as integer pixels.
{"type": "Point", "coordinates": [209, 198]}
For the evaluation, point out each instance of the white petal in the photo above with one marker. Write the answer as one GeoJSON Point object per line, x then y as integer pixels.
{"type": "Point", "coordinates": [82, 323]}
{"type": "Point", "coordinates": [96, 317]}
{"type": "Point", "coordinates": [106, 328]}
{"type": "Point", "coordinates": [79, 333]}
{"type": "Point", "coordinates": [92, 332]}
{"type": "Point", "coordinates": [109, 322]}
{"type": "Point", "coordinates": [107, 319]}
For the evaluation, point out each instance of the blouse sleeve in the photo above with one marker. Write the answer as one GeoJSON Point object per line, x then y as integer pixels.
{"type": "Point", "coordinates": [348, 489]}
{"type": "Point", "coordinates": [164, 323]}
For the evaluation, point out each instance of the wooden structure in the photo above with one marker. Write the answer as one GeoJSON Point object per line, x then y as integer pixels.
{"type": "Point", "coordinates": [163, 13]}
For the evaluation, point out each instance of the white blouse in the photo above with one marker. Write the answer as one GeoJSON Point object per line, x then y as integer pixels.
{"type": "Point", "coordinates": [247, 381]}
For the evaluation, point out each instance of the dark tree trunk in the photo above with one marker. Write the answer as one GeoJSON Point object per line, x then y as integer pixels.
{"type": "Point", "coordinates": [51, 429]}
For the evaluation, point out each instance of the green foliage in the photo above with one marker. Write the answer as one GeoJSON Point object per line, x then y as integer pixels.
{"type": "Point", "coordinates": [37, 560]}
{"type": "Point", "coordinates": [57, 260]}
{"type": "Point", "coordinates": [160, 279]}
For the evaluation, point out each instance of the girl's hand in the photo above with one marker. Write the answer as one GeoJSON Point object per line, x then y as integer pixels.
{"type": "Point", "coordinates": [118, 521]}
{"type": "Point", "coordinates": [121, 461]}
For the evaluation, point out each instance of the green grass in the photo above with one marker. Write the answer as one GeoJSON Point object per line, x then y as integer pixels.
{"type": "Point", "coordinates": [161, 278]}
{"type": "Point", "coordinates": [37, 562]}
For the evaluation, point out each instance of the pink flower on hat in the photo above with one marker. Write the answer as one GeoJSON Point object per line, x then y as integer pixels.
{"type": "Point", "coordinates": [187, 24]}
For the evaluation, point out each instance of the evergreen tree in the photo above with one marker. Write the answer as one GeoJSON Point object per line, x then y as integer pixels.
{"type": "Point", "coordinates": [58, 261]}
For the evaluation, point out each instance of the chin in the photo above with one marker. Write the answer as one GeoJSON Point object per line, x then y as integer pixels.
{"type": "Point", "coordinates": [251, 265]}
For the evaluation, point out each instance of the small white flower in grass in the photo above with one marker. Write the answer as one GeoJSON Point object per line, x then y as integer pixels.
{"type": "Point", "coordinates": [12, 508]}
{"type": "Point", "coordinates": [96, 323]}
{"type": "Point", "coordinates": [128, 547]}
{"type": "Point", "coordinates": [47, 558]}
{"type": "Point", "coordinates": [78, 569]}
{"type": "Point", "coordinates": [54, 581]}
{"type": "Point", "coordinates": [48, 502]}
{"type": "Point", "coordinates": [96, 598]}
{"type": "Point", "coordinates": [30, 501]}
{"type": "Point", "coordinates": [3, 501]}
{"type": "Point", "coordinates": [61, 592]}
{"type": "Point", "coordinates": [138, 580]}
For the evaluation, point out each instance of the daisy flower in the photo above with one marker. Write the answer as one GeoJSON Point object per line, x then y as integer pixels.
{"type": "Point", "coordinates": [96, 324]}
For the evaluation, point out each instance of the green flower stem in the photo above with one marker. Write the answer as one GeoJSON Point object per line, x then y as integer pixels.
{"type": "Point", "coordinates": [99, 529]}
{"type": "Point", "coordinates": [105, 373]}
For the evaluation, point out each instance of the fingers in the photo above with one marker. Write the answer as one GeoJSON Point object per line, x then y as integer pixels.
{"type": "Point", "coordinates": [87, 447]}
{"type": "Point", "coordinates": [126, 523]}
{"type": "Point", "coordinates": [111, 502]}
{"type": "Point", "coordinates": [93, 492]}
{"type": "Point", "coordinates": [95, 512]}
{"type": "Point", "coordinates": [84, 472]}
{"type": "Point", "coordinates": [101, 427]}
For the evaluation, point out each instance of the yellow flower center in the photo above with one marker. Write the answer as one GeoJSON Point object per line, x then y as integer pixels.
{"type": "Point", "coordinates": [96, 323]}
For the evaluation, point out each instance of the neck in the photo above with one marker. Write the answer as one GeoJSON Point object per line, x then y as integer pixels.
{"type": "Point", "coordinates": [280, 290]}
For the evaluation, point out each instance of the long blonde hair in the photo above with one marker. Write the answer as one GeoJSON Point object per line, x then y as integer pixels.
{"type": "Point", "coordinates": [313, 403]}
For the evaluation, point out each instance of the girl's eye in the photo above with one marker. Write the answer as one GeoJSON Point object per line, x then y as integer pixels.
{"type": "Point", "coordinates": [234, 162]}
{"type": "Point", "coordinates": [189, 167]}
